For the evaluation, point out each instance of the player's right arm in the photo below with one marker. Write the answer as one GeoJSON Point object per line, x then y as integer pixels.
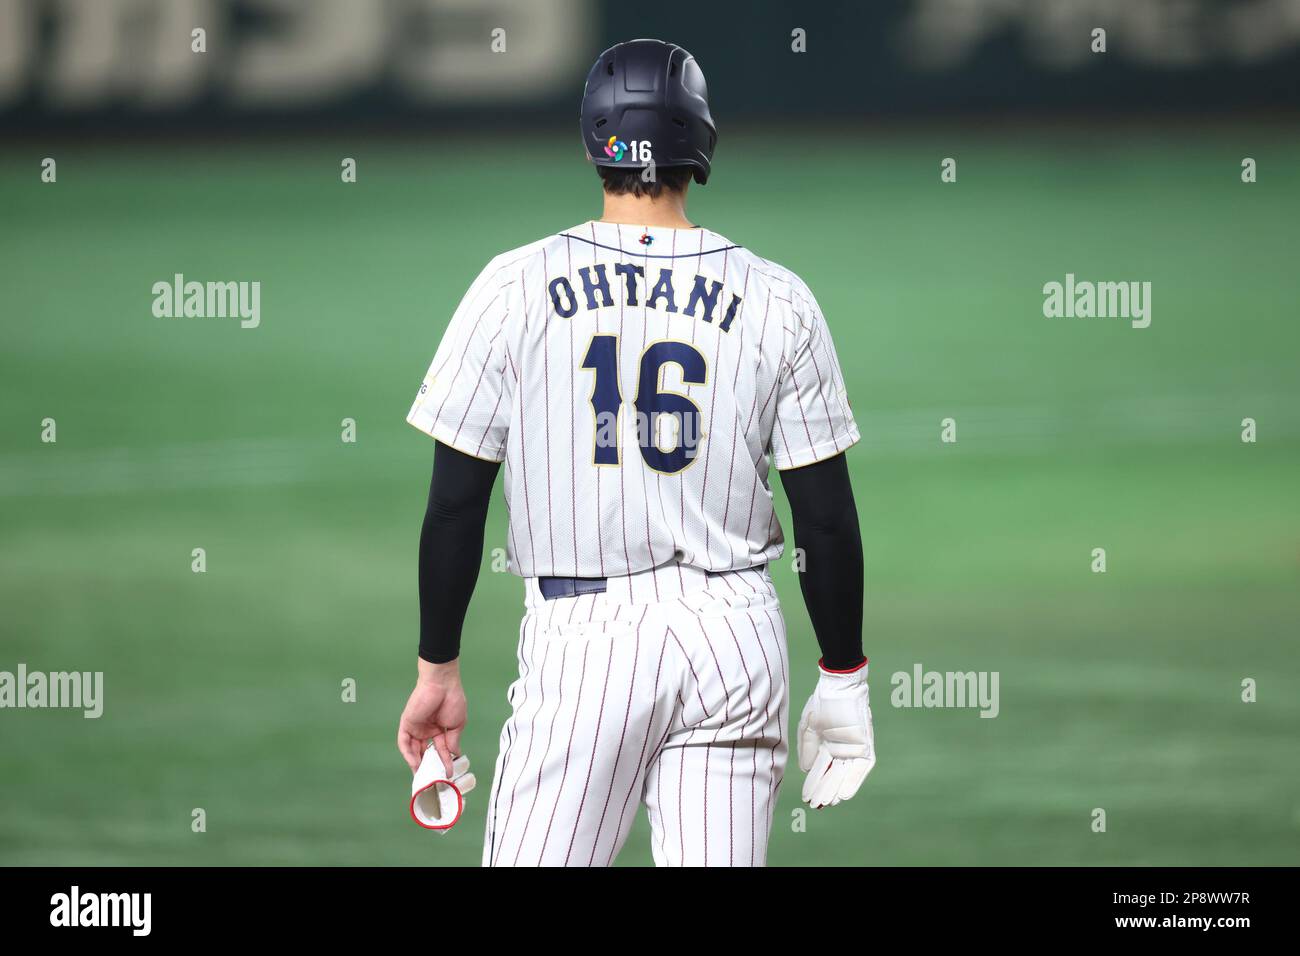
{"type": "Point", "coordinates": [826, 531]}
{"type": "Point", "coordinates": [814, 426]}
{"type": "Point", "coordinates": [836, 741]}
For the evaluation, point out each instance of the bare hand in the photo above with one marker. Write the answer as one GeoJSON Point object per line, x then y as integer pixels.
{"type": "Point", "coordinates": [436, 710]}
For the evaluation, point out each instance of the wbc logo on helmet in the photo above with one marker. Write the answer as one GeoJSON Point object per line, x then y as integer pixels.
{"type": "Point", "coordinates": [615, 148]}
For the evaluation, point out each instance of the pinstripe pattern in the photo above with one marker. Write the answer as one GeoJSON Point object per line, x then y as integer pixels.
{"type": "Point", "coordinates": [668, 689]}
{"type": "Point", "coordinates": [618, 691]}
{"type": "Point", "coordinates": [506, 384]}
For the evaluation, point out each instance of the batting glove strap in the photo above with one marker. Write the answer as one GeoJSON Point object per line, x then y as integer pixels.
{"type": "Point", "coordinates": [850, 670]}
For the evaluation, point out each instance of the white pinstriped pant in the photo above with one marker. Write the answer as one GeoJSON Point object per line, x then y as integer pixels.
{"type": "Point", "coordinates": [668, 689]}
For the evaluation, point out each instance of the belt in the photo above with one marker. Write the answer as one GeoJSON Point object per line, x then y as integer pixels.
{"type": "Point", "coordinates": [553, 588]}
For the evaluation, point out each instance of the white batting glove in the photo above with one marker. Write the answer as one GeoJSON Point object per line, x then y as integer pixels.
{"type": "Point", "coordinates": [437, 800]}
{"type": "Point", "coordinates": [837, 747]}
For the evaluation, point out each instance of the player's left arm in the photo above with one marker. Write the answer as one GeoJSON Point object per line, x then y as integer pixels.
{"type": "Point", "coordinates": [451, 550]}
{"type": "Point", "coordinates": [464, 404]}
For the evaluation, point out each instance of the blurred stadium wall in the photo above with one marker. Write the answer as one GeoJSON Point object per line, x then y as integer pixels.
{"type": "Point", "coordinates": [127, 65]}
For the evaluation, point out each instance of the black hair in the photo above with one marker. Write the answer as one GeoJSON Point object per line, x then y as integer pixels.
{"type": "Point", "coordinates": [627, 181]}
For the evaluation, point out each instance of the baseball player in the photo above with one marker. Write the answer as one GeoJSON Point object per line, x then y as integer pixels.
{"type": "Point", "coordinates": [638, 375]}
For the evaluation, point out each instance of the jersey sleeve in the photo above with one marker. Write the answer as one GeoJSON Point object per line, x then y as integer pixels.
{"type": "Point", "coordinates": [813, 418]}
{"type": "Point", "coordinates": [466, 395]}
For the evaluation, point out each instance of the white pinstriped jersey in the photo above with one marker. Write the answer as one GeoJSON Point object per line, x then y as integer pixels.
{"type": "Point", "coordinates": [637, 382]}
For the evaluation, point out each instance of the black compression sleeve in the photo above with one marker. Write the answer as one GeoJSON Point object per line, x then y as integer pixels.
{"type": "Point", "coordinates": [826, 528]}
{"type": "Point", "coordinates": [451, 548]}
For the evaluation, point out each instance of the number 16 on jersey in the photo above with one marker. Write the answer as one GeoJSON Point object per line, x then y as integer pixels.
{"type": "Point", "coordinates": [667, 423]}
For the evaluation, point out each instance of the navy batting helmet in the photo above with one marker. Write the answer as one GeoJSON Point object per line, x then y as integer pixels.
{"type": "Point", "coordinates": [645, 101]}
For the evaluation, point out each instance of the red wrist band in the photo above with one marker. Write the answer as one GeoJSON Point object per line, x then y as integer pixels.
{"type": "Point", "coordinates": [853, 669]}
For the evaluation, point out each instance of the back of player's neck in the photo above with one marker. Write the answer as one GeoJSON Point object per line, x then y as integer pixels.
{"type": "Point", "coordinates": [668, 211]}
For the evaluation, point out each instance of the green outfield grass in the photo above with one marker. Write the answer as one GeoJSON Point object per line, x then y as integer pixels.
{"type": "Point", "coordinates": [1118, 690]}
